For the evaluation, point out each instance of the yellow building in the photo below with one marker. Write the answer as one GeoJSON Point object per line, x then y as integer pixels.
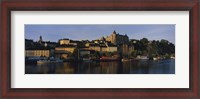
{"type": "Point", "coordinates": [87, 44]}
{"type": "Point", "coordinates": [126, 49]}
{"type": "Point", "coordinates": [103, 47]}
{"type": "Point", "coordinates": [96, 48]}
{"type": "Point", "coordinates": [117, 38]}
{"type": "Point", "coordinates": [67, 42]}
{"type": "Point", "coordinates": [64, 41]}
{"type": "Point", "coordinates": [112, 49]}
{"type": "Point", "coordinates": [38, 53]}
{"type": "Point", "coordinates": [64, 51]}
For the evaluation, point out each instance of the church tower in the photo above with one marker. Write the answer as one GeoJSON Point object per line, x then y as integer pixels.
{"type": "Point", "coordinates": [40, 39]}
{"type": "Point", "coordinates": [114, 37]}
{"type": "Point", "coordinates": [114, 32]}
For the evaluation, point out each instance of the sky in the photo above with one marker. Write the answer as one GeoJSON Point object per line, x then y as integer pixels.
{"type": "Point", "coordinates": [91, 32]}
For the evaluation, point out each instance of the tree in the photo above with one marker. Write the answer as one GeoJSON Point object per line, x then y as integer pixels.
{"type": "Point", "coordinates": [153, 49]}
{"type": "Point", "coordinates": [95, 55]}
{"type": "Point", "coordinates": [144, 41]}
{"type": "Point", "coordinates": [134, 53]}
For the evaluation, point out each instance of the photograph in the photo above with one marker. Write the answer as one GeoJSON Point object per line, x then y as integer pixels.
{"type": "Point", "coordinates": [112, 49]}
{"type": "Point", "coordinates": [100, 49]}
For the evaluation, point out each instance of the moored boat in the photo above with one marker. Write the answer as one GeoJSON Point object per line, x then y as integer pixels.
{"type": "Point", "coordinates": [87, 60]}
{"type": "Point", "coordinates": [125, 59]}
{"type": "Point", "coordinates": [109, 58]}
{"type": "Point", "coordinates": [172, 57]}
{"type": "Point", "coordinates": [155, 58]}
{"type": "Point", "coordinates": [143, 58]}
{"type": "Point", "coordinates": [49, 61]}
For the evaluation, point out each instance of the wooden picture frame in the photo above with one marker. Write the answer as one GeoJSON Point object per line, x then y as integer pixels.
{"type": "Point", "coordinates": [99, 5]}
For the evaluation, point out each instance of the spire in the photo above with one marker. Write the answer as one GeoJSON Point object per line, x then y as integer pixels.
{"type": "Point", "coordinates": [114, 32]}
{"type": "Point", "coordinates": [40, 38]}
{"type": "Point", "coordinates": [102, 38]}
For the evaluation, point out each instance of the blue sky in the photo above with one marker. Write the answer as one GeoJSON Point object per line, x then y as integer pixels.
{"type": "Point", "coordinates": [91, 32]}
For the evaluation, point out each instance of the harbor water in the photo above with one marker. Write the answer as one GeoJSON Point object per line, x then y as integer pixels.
{"type": "Point", "coordinates": [112, 67]}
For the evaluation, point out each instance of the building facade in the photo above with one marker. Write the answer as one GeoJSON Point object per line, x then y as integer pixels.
{"type": "Point", "coordinates": [67, 42]}
{"type": "Point", "coordinates": [103, 47]}
{"type": "Point", "coordinates": [38, 53]}
{"type": "Point", "coordinates": [126, 49]}
{"type": "Point", "coordinates": [64, 51]}
{"type": "Point", "coordinates": [117, 38]}
{"type": "Point", "coordinates": [66, 48]}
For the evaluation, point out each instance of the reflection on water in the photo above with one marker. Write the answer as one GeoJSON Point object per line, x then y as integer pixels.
{"type": "Point", "coordinates": [129, 67]}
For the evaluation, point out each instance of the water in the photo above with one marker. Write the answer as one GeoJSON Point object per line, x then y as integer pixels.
{"type": "Point", "coordinates": [129, 67]}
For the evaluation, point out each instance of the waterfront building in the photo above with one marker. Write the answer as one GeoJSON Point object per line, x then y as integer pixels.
{"type": "Point", "coordinates": [66, 47]}
{"type": "Point", "coordinates": [95, 47]}
{"type": "Point", "coordinates": [126, 49]}
{"type": "Point", "coordinates": [111, 48]}
{"type": "Point", "coordinates": [103, 47]}
{"type": "Point", "coordinates": [64, 51]}
{"type": "Point", "coordinates": [39, 52]}
{"type": "Point", "coordinates": [38, 49]}
{"type": "Point", "coordinates": [84, 52]}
